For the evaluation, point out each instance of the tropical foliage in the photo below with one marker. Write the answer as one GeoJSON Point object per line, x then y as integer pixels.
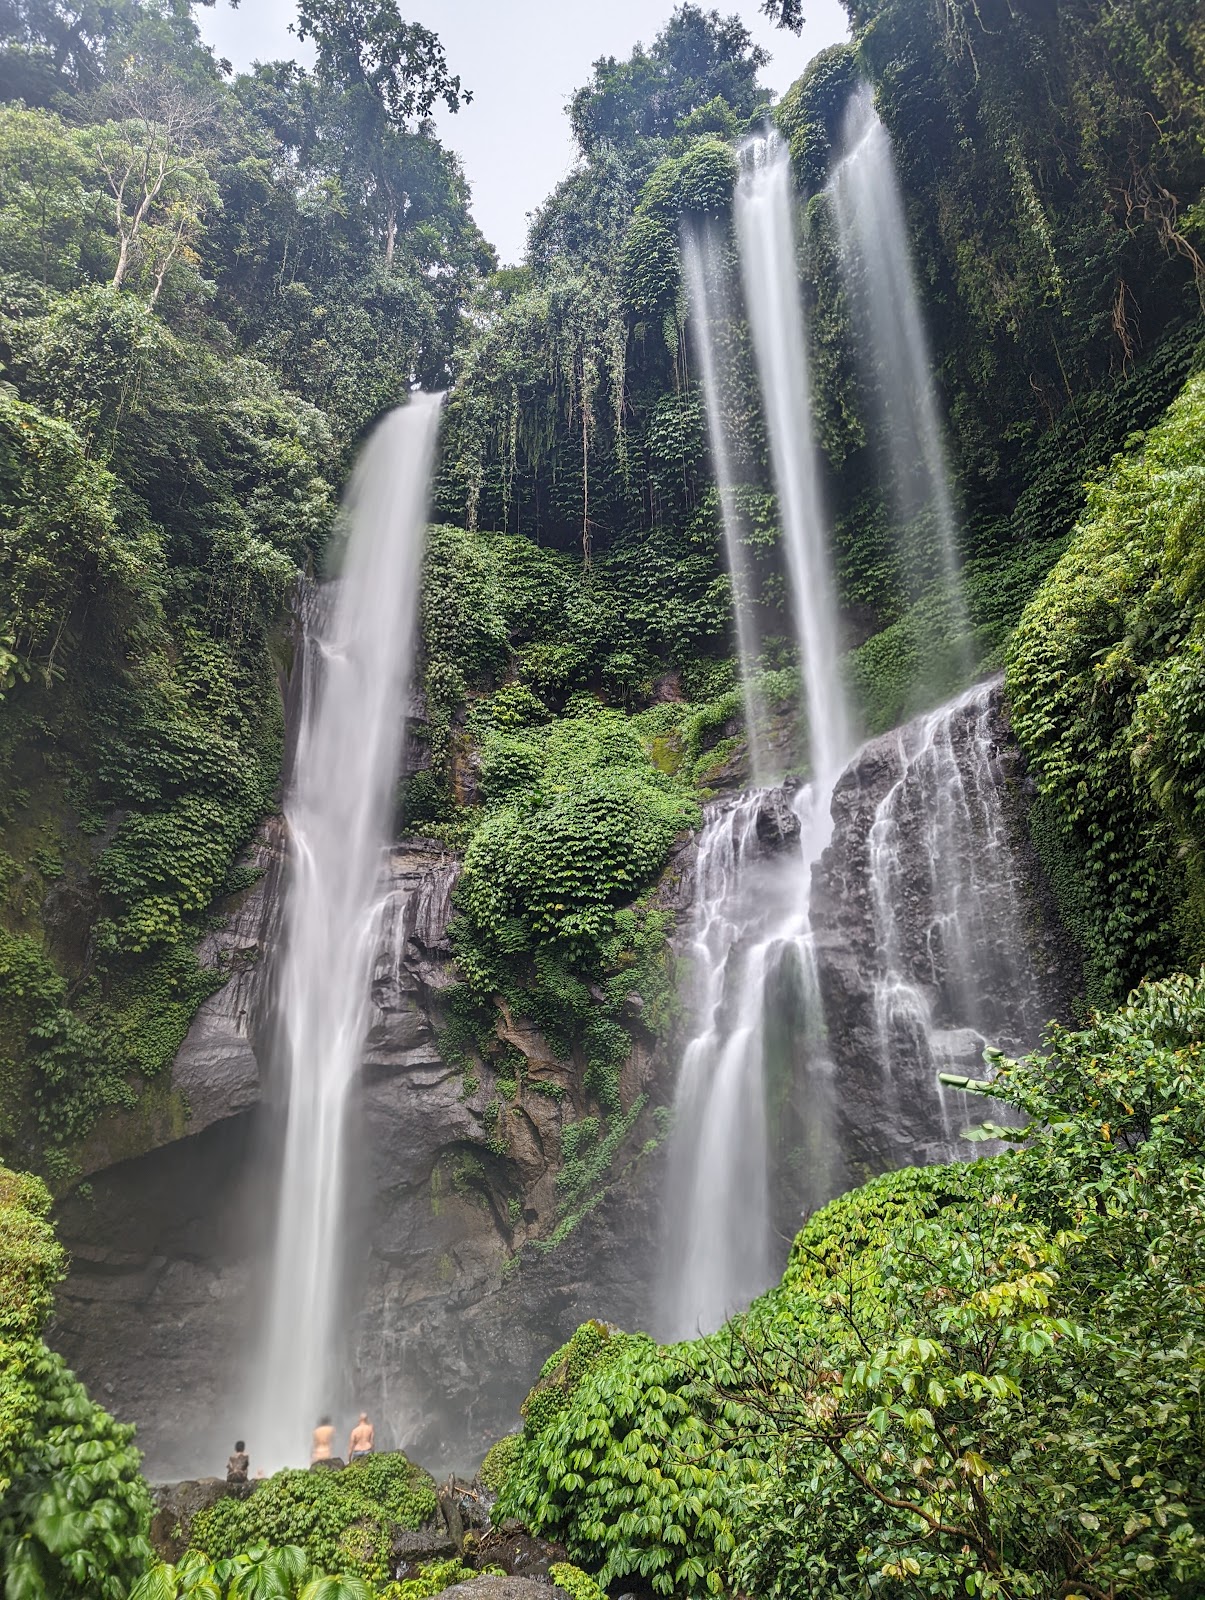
{"type": "Point", "coordinates": [982, 1379]}
{"type": "Point", "coordinates": [74, 1509]}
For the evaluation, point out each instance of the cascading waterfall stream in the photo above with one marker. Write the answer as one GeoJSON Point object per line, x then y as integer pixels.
{"type": "Point", "coordinates": [752, 935]}
{"type": "Point", "coordinates": [951, 972]}
{"type": "Point", "coordinates": [876, 264]}
{"type": "Point", "coordinates": [765, 225]}
{"type": "Point", "coordinates": [357, 665]}
{"type": "Point", "coordinates": [703, 264]}
{"type": "Point", "coordinates": [751, 947]}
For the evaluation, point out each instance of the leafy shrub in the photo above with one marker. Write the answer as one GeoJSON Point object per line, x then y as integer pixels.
{"type": "Point", "coordinates": [497, 1462]}
{"type": "Point", "coordinates": [978, 1379]}
{"type": "Point", "coordinates": [577, 1584]}
{"type": "Point", "coordinates": [74, 1510]}
{"type": "Point", "coordinates": [255, 1574]}
{"type": "Point", "coordinates": [1107, 690]}
{"type": "Point", "coordinates": [342, 1519]}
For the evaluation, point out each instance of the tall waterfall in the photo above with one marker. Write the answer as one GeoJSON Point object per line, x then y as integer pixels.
{"type": "Point", "coordinates": [356, 668]}
{"type": "Point", "coordinates": [765, 223]}
{"type": "Point", "coordinates": [703, 264]}
{"type": "Point", "coordinates": [876, 263]}
{"type": "Point", "coordinates": [751, 941]}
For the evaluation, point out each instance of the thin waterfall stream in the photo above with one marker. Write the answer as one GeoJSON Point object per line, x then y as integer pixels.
{"type": "Point", "coordinates": [703, 265]}
{"type": "Point", "coordinates": [358, 656]}
{"type": "Point", "coordinates": [876, 265]}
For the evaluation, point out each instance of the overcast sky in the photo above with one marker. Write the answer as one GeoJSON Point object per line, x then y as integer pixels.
{"type": "Point", "coordinates": [522, 59]}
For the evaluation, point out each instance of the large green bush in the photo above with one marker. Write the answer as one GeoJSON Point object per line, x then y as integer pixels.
{"type": "Point", "coordinates": [74, 1510]}
{"type": "Point", "coordinates": [1106, 677]}
{"type": "Point", "coordinates": [341, 1519]}
{"type": "Point", "coordinates": [983, 1379]}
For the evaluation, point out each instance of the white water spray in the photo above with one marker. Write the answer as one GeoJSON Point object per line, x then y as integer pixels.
{"type": "Point", "coordinates": [765, 224]}
{"type": "Point", "coordinates": [951, 970]}
{"type": "Point", "coordinates": [876, 263]}
{"type": "Point", "coordinates": [703, 264]}
{"type": "Point", "coordinates": [356, 668]}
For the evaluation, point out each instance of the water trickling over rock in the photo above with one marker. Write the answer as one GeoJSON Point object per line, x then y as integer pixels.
{"type": "Point", "coordinates": [933, 931]}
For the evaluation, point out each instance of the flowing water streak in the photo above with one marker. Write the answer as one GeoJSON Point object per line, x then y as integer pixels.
{"type": "Point", "coordinates": [338, 810]}
{"type": "Point", "coordinates": [876, 263]}
{"type": "Point", "coordinates": [750, 940]}
{"type": "Point", "coordinates": [765, 223]}
{"type": "Point", "coordinates": [752, 929]}
{"type": "Point", "coordinates": [703, 263]}
{"type": "Point", "coordinates": [947, 893]}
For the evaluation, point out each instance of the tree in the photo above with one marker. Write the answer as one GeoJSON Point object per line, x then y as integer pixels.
{"type": "Point", "coordinates": [387, 75]}
{"type": "Point", "coordinates": [73, 1508]}
{"type": "Point", "coordinates": [698, 57]}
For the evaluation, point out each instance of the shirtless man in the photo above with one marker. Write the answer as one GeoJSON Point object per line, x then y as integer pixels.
{"type": "Point", "coordinates": [238, 1465]}
{"type": "Point", "coordinates": [324, 1438]}
{"type": "Point", "coordinates": [360, 1443]}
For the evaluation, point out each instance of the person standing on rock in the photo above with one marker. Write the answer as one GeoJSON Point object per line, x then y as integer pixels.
{"type": "Point", "coordinates": [239, 1464]}
{"type": "Point", "coordinates": [360, 1443]}
{"type": "Point", "coordinates": [324, 1438]}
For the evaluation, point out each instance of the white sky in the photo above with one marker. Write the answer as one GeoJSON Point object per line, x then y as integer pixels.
{"type": "Point", "coordinates": [522, 59]}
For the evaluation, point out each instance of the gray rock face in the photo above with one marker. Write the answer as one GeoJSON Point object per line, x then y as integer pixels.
{"type": "Point", "coordinates": [455, 1308]}
{"type": "Point", "coordinates": [503, 1589]}
{"type": "Point", "coordinates": [216, 1069]}
{"type": "Point", "coordinates": [935, 934]}
{"type": "Point", "coordinates": [457, 1298]}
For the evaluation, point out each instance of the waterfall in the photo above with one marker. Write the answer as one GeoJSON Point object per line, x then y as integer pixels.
{"type": "Point", "coordinates": [876, 264]}
{"type": "Point", "coordinates": [357, 662]}
{"type": "Point", "coordinates": [951, 971]}
{"type": "Point", "coordinates": [765, 224]}
{"type": "Point", "coordinates": [752, 936]}
{"type": "Point", "coordinates": [751, 956]}
{"type": "Point", "coordinates": [703, 263]}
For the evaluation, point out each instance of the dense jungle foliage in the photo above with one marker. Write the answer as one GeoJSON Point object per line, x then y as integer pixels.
{"type": "Point", "coordinates": [210, 287]}
{"type": "Point", "coordinates": [74, 1510]}
{"type": "Point", "coordinates": [982, 1379]}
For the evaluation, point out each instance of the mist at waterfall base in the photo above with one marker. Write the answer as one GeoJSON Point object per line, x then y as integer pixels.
{"type": "Point", "coordinates": [892, 347]}
{"type": "Point", "coordinates": [357, 659]}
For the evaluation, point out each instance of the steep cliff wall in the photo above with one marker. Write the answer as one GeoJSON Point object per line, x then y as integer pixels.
{"type": "Point", "coordinates": [471, 1261]}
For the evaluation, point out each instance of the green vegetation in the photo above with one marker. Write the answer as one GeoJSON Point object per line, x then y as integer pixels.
{"type": "Point", "coordinates": [982, 1379]}
{"type": "Point", "coordinates": [74, 1510]}
{"type": "Point", "coordinates": [342, 1520]}
{"type": "Point", "coordinates": [284, 1574]}
{"type": "Point", "coordinates": [1107, 684]}
{"type": "Point", "coordinates": [207, 294]}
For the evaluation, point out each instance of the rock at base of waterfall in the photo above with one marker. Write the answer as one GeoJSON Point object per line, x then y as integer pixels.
{"type": "Point", "coordinates": [411, 1548]}
{"type": "Point", "coordinates": [176, 1504]}
{"type": "Point", "coordinates": [520, 1554]}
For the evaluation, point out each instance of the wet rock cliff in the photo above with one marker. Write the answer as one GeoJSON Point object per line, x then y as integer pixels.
{"type": "Point", "coordinates": [457, 1294]}
{"type": "Point", "coordinates": [933, 934]}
